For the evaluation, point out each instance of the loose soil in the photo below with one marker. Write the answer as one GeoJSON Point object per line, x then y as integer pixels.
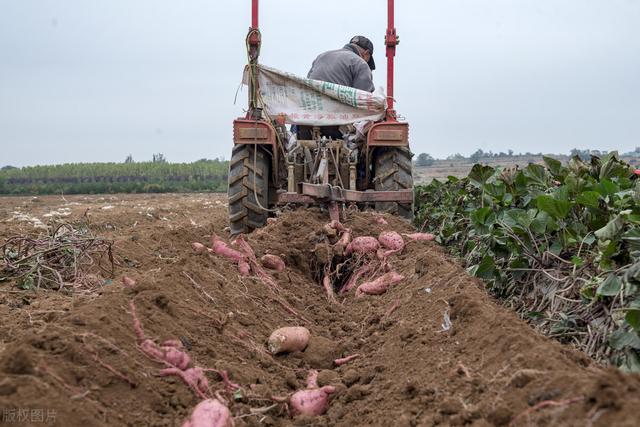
{"type": "Point", "coordinates": [448, 355]}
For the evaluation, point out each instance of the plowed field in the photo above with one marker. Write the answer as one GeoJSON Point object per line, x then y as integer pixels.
{"type": "Point", "coordinates": [434, 350]}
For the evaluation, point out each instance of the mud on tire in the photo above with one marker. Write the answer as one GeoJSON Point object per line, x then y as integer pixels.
{"type": "Point", "coordinates": [249, 167]}
{"type": "Point", "coordinates": [392, 171]}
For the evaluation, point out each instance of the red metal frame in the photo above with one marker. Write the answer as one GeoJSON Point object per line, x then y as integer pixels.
{"type": "Point", "coordinates": [254, 14]}
{"type": "Point", "coordinates": [388, 134]}
{"type": "Point", "coordinates": [391, 40]}
{"type": "Point", "coordinates": [246, 131]}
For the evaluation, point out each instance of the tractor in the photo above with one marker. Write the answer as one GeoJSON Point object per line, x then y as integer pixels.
{"type": "Point", "coordinates": [270, 169]}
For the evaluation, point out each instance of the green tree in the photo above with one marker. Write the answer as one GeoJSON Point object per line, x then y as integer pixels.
{"type": "Point", "coordinates": [424, 159]}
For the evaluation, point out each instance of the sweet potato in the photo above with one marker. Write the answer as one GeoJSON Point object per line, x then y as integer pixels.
{"type": "Point", "coordinates": [176, 357]}
{"type": "Point", "coordinates": [380, 220]}
{"type": "Point", "coordinates": [169, 353]}
{"type": "Point", "coordinates": [288, 339]}
{"type": "Point", "coordinates": [328, 287]}
{"type": "Point", "coordinates": [221, 248]}
{"type": "Point", "coordinates": [128, 282]}
{"type": "Point", "coordinates": [338, 226]}
{"type": "Point", "coordinates": [329, 231]}
{"type": "Point", "coordinates": [198, 247]}
{"type": "Point", "coordinates": [248, 251]}
{"type": "Point", "coordinates": [210, 413]}
{"type": "Point", "coordinates": [420, 236]}
{"type": "Point", "coordinates": [391, 240]}
{"type": "Point", "coordinates": [341, 245]}
{"type": "Point", "coordinates": [273, 262]}
{"type": "Point", "coordinates": [363, 245]}
{"type": "Point", "coordinates": [379, 285]}
{"type": "Point", "coordinates": [313, 400]}
{"type": "Point", "coordinates": [343, 360]}
{"type": "Point", "coordinates": [353, 280]}
{"type": "Point", "coordinates": [193, 377]}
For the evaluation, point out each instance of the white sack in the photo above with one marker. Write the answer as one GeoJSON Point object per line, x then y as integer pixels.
{"type": "Point", "coordinates": [316, 103]}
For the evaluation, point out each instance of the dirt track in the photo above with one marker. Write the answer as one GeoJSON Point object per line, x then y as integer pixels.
{"type": "Point", "coordinates": [486, 369]}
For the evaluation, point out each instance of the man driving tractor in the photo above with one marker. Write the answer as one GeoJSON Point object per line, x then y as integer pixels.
{"type": "Point", "coordinates": [350, 66]}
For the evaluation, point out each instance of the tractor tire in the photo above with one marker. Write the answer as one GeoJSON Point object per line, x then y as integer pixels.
{"type": "Point", "coordinates": [249, 172]}
{"type": "Point", "coordinates": [392, 171]}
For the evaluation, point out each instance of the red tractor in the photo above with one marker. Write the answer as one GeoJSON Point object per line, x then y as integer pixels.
{"type": "Point", "coordinates": [266, 170]}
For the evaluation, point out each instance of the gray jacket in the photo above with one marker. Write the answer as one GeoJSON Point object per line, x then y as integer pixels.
{"type": "Point", "coordinates": [344, 67]}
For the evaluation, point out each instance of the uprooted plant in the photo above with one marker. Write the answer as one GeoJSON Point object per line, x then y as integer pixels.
{"type": "Point", "coordinates": [561, 244]}
{"type": "Point", "coordinates": [67, 256]}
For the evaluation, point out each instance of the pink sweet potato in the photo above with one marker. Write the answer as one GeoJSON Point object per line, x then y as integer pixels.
{"type": "Point", "coordinates": [128, 282]}
{"type": "Point", "coordinates": [420, 236]}
{"type": "Point", "coordinates": [272, 262]}
{"type": "Point", "coordinates": [391, 240]}
{"type": "Point", "coordinates": [380, 220]}
{"type": "Point", "coordinates": [210, 413]}
{"type": "Point", "coordinates": [288, 339]}
{"type": "Point", "coordinates": [313, 400]}
{"type": "Point", "coordinates": [341, 245]}
{"type": "Point", "coordinates": [379, 285]}
{"type": "Point", "coordinates": [356, 275]}
{"type": "Point", "coordinates": [328, 287]}
{"type": "Point", "coordinates": [221, 248]}
{"type": "Point", "coordinates": [193, 377]}
{"type": "Point", "coordinates": [169, 353]}
{"type": "Point", "coordinates": [338, 226]}
{"type": "Point", "coordinates": [363, 245]}
{"type": "Point", "coordinates": [175, 357]}
{"type": "Point", "coordinates": [344, 360]}
{"type": "Point", "coordinates": [198, 247]}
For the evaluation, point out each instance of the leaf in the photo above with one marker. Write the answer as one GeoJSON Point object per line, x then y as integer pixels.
{"type": "Point", "coordinates": [537, 174]}
{"type": "Point", "coordinates": [607, 188]}
{"type": "Point", "coordinates": [631, 363]}
{"type": "Point", "coordinates": [558, 209]}
{"type": "Point", "coordinates": [480, 215]}
{"type": "Point", "coordinates": [556, 247]}
{"type": "Point", "coordinates": [577, 261]}
{"type": "Point", "coordinates": [520, 217]}
{"type": "Point", "coordinates": [610, 287]}
{"type": "Point", "coordinates": [486, 268]}
{"type": "Point", "coordinates": [480, 174]}
{"type": "Point", "coordinates": [620, 339]}
{"type": "Point", "coordinates": [633, 315]}
{"type": "Point", "coordinates": [612, 229]}
{"type": "Point", "coordinates": [589, 198]}
{"type": "Point", "coordinates": [632, 237]}
{"type": "Point", "coordinates": [535, 314]}
{"type": "Point", "coordinates": [554, 166]}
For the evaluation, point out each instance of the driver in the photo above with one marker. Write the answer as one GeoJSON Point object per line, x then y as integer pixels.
{"type": "Point", "coordinates": [350, 66]}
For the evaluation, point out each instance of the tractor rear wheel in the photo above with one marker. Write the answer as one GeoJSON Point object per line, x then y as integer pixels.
{"type": "Point", "coordinates": [392, 169]}
{"type": "Point", "coordinates": [248, 188]}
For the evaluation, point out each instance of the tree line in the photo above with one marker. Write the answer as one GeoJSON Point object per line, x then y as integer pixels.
{"type": "Point", "coordinates": [425, 159]}
{"type": "Point", "coordinates": [156, 176]}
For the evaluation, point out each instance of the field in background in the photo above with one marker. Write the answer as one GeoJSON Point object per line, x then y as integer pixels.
{"type": "Point", "coordinates": [442, 168]}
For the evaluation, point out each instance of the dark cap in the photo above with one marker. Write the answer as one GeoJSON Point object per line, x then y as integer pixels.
{"type": "Point", "coordinates": [366, 44]}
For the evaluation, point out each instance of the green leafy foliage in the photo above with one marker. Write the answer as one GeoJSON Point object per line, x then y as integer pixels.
{"type": "Point", "coordinates": [559, 241]}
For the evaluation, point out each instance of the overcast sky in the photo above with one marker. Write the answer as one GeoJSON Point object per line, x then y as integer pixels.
{"type": "Point", "coordinates": [96, 80]}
